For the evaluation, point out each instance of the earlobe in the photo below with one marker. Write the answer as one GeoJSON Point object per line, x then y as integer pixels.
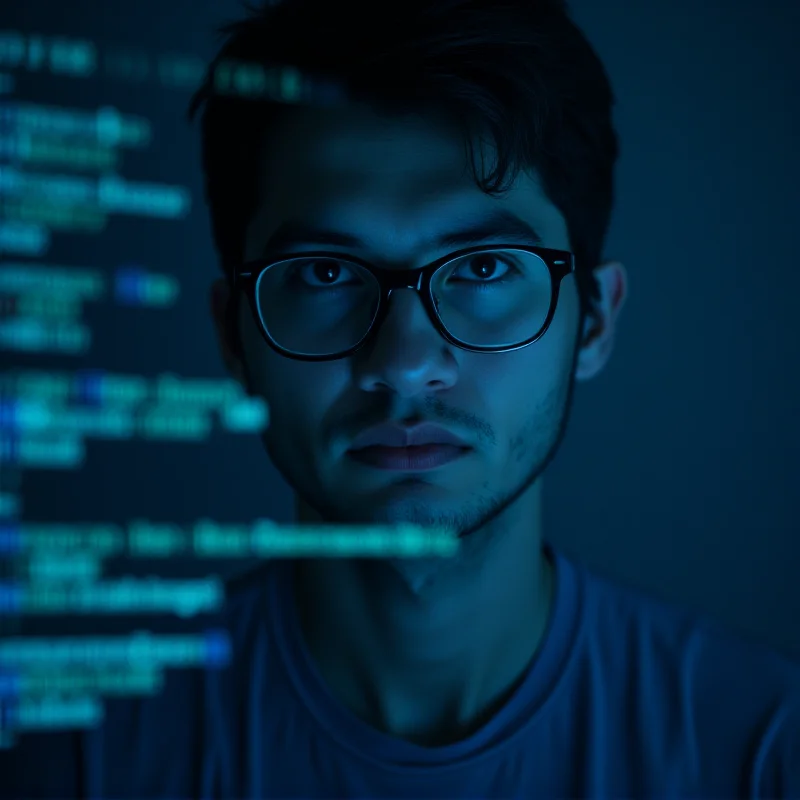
{"type": "Point", "coordinates": [600, 324]}
{"type": "Point", "coordinates": [591, 353]}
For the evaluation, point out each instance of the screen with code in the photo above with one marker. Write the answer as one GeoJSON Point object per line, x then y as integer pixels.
{"type": "Point", "coordinates": [131, 482]}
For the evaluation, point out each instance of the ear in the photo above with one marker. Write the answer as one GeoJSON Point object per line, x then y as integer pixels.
{"type": "Point", "coordinates": [220, 297]}
{"type": "Point", "coordinates": [597, 337]}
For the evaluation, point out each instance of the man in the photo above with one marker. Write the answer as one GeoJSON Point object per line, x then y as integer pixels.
{"type": "Point", "coordinates": [470, 173]}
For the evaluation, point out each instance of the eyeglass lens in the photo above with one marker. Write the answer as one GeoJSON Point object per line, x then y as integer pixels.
{"type": "Point", "coordinates": [322, 306]}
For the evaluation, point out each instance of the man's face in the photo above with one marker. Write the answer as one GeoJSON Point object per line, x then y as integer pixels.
{"type": "Point", "coordinates": [398, 185]}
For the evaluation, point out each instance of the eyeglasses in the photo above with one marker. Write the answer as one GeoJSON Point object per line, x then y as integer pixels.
{"type": "Point", "coordinates": [321, 306]}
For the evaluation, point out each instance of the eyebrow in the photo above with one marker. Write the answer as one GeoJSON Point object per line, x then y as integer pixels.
{"type": "Point", "coordinates": [501, 225]}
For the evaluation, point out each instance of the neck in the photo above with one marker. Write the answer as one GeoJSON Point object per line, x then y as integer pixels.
{"type": "Point", "coordinates": [428, 651]}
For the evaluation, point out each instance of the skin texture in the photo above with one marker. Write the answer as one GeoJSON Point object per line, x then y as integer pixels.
{"type": "Point", "coordinates": [423, 649]}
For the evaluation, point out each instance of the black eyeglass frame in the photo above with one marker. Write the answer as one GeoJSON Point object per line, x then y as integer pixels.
{"type": "Point", "coordinates": [560, 263]}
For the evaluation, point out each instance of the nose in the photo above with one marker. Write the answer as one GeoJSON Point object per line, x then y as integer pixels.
{"type": "Point", "coordinates": [407, 356]}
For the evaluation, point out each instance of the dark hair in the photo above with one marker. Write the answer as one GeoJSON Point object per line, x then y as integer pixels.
{"type": "Point", "coordinates": [519, 70]}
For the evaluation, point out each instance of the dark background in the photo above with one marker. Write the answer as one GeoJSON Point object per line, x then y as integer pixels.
{"type": "Point", "coordinates": [680, 469]}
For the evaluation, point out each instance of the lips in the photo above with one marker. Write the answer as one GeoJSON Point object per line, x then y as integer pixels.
{"type": "Point", "coordinates": [415, 458]}
{"type": "Point", "coordinates": [390, 435]}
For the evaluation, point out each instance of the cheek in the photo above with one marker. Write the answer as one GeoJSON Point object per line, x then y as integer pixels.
{"type": "Point", "coordinates": [527, 385]}
{"type": "Point", "coordinates": [553, 355]}
{"type": "Point", "coordinates": [297, 396]}
{"type": "Point", "coordinates": [298, 393]}
{"type": "Point", "coordinates": [519, 377]}
{"type": "Point", "coordinates": [512, 389]}
{"type": "Point", "coordinates": [565, 322]}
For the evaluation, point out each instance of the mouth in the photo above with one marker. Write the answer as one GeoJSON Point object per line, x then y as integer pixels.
{"type": "Point", "coordinates": [413, 458]}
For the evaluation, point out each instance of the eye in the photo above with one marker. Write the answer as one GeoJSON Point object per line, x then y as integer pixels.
{"type": "Point", "coordinates": [483, 268]}
{"type": "Point", "coordinates": [321, 273]}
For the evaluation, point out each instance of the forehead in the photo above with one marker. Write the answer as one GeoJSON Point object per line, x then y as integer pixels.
{"type": "Point", "coordinates": [353, 147]}
{"type": "Point", "coordinates": [378, 176]}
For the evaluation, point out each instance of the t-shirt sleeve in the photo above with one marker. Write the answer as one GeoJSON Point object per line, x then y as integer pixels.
{"type": "Point", "coordinates": [778, 759]}
{"type": "Point", "coordinates": [745, 706]}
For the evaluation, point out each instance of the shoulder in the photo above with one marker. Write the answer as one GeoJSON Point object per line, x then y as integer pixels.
{"type": "Point", "coordinates": [730, 703]}
{"type": "Point", "coordinates": [672, 643]}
